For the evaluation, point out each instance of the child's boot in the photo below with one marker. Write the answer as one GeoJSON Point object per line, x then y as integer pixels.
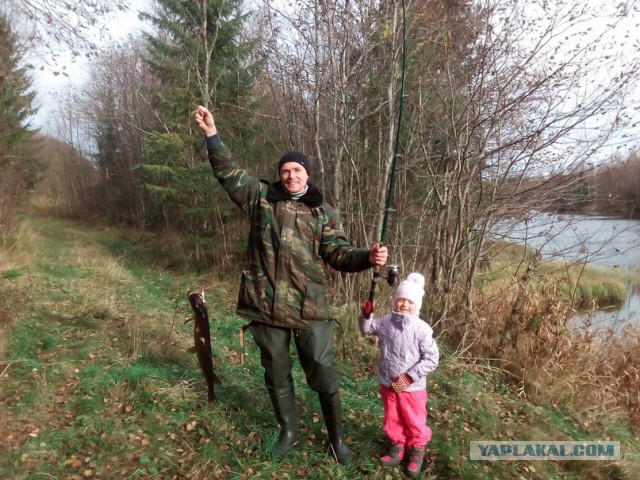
{"type": "Point", "coordinates": [394, 455]}
{"type": "Point", "coordinates": [414, 462]}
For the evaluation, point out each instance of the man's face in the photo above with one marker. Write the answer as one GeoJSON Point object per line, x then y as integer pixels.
{"type": "Point", "coordinates": [293, 177]}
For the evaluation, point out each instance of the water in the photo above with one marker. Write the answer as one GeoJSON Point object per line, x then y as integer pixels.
{"type": "Point", "coordinates": [615, 316]}
{"type": "Point", "coordinates": [600, 241]}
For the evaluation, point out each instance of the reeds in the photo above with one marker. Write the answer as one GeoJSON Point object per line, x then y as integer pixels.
{"type": "Point", "coordinates": [587, 369]}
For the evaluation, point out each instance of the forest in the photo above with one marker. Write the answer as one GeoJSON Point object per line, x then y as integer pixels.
{"type": "Point", "coordinates": [495, 125]}
{"type": "Point", "coordinates": [480, 111]}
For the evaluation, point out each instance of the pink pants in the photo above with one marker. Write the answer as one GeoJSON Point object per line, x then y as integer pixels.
{"type": "Point", "coordinates": [405, 417]}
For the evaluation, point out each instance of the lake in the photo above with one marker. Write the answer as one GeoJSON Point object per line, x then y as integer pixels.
{"type": "Point", "coordinates": [598, 240]}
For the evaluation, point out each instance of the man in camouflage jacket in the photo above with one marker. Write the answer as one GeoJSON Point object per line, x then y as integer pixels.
{"type": "Point", "coordinates": [293, 232]}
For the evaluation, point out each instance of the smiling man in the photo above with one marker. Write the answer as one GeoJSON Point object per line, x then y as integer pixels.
{"type": "Point", "coordinates": [293, 169]}
{"type": "Point", "coordinates": [284, 291]}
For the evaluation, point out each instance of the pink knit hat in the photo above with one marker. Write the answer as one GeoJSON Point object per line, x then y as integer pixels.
{"type": "Point", "coordinates": [412, 288]}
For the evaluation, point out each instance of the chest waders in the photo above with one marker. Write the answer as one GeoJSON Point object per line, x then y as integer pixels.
{"type": "Point", "coordinates": [316, 354]}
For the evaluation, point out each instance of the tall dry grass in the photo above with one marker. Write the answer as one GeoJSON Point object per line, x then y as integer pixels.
{"type": "Point", "coordinates": [589, 370]}
{"type": "Point", "coordinates": [18, 247]}
{"type": "Point", "coordinates": [69, 186]}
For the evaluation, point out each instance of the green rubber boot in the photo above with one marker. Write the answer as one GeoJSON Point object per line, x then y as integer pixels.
{"type": "Point", "coordinates": [332, 413]}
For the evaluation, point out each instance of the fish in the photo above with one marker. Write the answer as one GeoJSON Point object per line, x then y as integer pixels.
{"type": "Point", "coordinates": [202, 339]}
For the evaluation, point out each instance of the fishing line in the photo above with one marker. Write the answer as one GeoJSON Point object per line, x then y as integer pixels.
{"type": "Point", "coordinates": [394, 161]}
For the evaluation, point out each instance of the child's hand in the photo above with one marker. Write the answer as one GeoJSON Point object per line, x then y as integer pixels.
{"type": "Point", "coordinates": [368, 308]}
{"type": "Point", "coordinates": [401, 383]}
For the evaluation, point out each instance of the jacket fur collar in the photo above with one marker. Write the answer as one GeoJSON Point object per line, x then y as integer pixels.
{"type": "Point", "coordinates": [313, 198]}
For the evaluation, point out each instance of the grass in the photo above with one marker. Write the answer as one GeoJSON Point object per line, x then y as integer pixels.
{"type": "Point", "coordinates": [586, 285]}
{"type": "Point", "coordinates": [96, 382]}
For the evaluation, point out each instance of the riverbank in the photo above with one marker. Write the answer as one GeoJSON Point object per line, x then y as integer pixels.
{"type": "Point", "coordinates": [525, 319]}
{"type": "Point", "coordinates": [597, 260]}
{"type": "Point", "coordinates": [578, 283]}
{"type": "Point", "coordinates": [96, 382]}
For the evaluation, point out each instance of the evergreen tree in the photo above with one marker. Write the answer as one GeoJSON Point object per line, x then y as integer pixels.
{"type": "Point", "coordinates": [17, 170]}
{"type": "Point", "coordinates": [198, 58]}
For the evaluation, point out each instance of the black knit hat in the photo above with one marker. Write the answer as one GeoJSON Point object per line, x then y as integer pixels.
{"type": "Point", "coordinates": [297, 157]}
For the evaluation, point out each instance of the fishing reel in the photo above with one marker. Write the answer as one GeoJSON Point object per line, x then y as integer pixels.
{"type": "Point", "coordinates": [392, 274]}
{"type": "Point", "coordinates": [390, 277]}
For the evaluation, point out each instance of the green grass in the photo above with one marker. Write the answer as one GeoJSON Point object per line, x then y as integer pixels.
{"type": "Point", "coordinates": [12, 273]}
{"type": "Point", "coordinates": [96, 382]}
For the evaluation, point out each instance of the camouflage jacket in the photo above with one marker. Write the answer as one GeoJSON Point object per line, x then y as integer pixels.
{"type": "Point", "coordinates": [289, 242]}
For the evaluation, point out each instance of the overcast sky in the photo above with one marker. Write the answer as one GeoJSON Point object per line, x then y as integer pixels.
{"type": "Point", "coordinates": [50, 87]}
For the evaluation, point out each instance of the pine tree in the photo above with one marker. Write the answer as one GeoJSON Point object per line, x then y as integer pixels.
{"type": "Point", "coordinates": [17, 169]}
{"type": "Point", "coordinates": [198, 58]}
{"type": "Point", "coordinates": [15, 95]}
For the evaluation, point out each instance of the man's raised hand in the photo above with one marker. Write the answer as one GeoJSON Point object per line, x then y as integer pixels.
{"type": "Point", "coordinates": [204, 120]}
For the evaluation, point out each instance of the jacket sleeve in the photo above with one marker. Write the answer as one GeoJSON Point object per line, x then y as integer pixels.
{"type": "Point", "coordinates": [336, 250]}
{"type": "Point", "coordinates": [429, 356]}
{"type": "Point", "coordinates": [243, 189]}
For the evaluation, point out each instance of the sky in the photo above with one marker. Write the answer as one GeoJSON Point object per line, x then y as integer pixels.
{"type": "Point", "coordinates": [50, 88]}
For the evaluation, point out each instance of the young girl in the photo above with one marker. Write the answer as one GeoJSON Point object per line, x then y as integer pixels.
{"type": "Point", "coordinates": [408, 354]}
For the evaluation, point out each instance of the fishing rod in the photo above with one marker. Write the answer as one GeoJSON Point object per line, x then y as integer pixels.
{"type": "Point", "coordinates": [393, 269]}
